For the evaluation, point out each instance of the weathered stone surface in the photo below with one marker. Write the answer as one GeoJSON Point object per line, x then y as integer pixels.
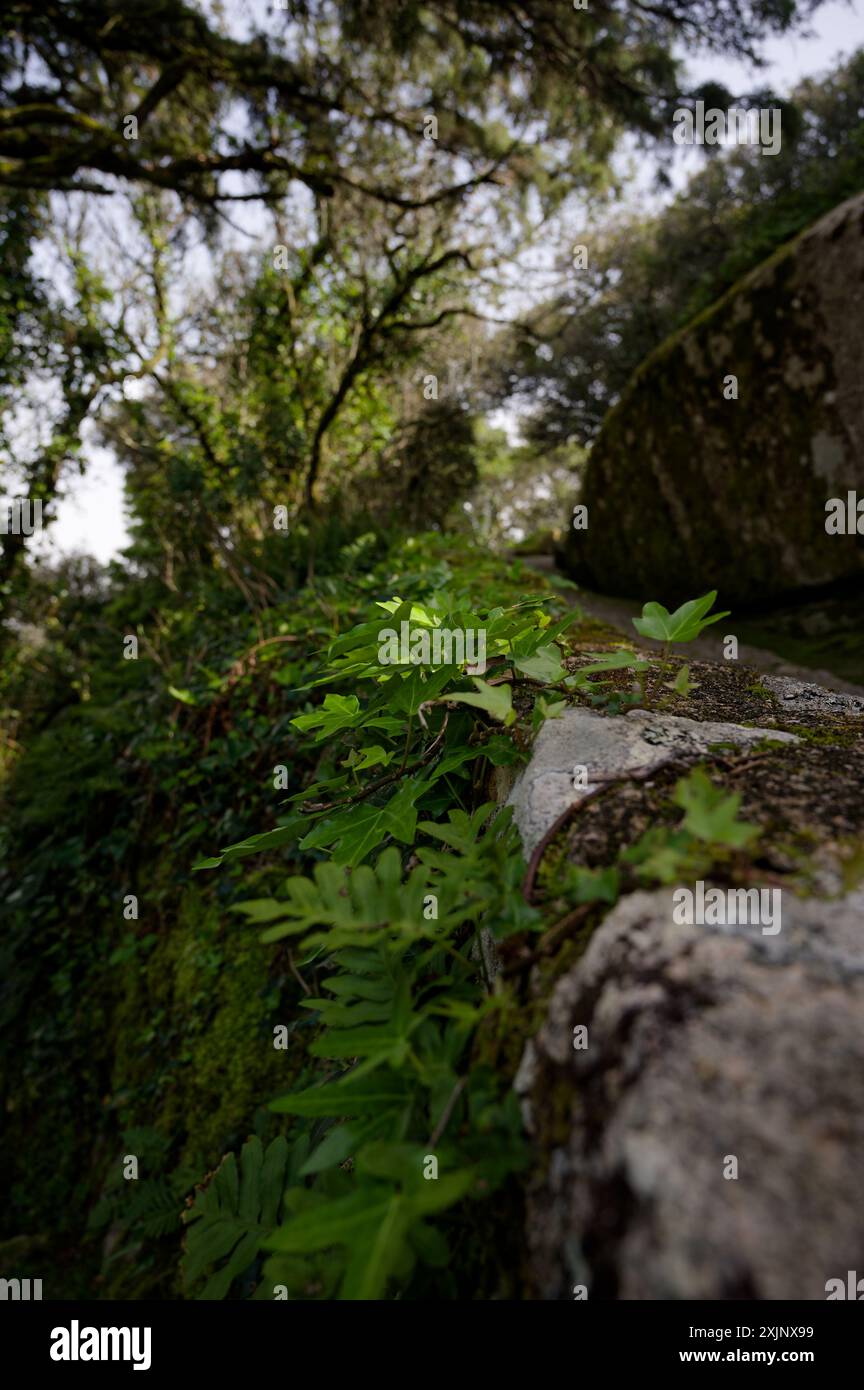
{"type": "Point", "coordinates": [804, 697]}
{"type": "Point", "coordinates": [687, 490]}
{"type": "Point", "coordinates": [703, 1043]}
{"type": "Point", "coordinates": [608, 748]}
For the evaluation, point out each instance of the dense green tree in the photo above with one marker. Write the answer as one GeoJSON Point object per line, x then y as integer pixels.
{"type": "Point", "coordinates": [334, 78]}
{"type": "Point", "coordinates": [388, 138]}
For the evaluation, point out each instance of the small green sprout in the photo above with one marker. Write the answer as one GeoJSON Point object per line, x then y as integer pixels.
{"type": "Point", "coordinates": [683, 625]}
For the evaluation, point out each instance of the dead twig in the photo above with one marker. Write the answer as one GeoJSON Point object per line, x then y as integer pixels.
{"type": "Point", "coordinates": [296, 973]}
{"type": "Point", "coordinates": [447, 1112]}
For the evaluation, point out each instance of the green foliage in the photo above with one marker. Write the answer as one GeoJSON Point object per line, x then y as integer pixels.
{"type": "Point", "coordinates": [406, 1005]}
{"type": "Point", "coordinates": [124, 786]}
{"type": "Point", "coordinates": [598, 692]}
{"type": "Point", "coordinates": [710, 814]}
{"type": "Point", "coordinates": [495, 700]}
{"type": "Point", "coordinates": [400, 953]}
{"type": "Point", "coordinates": [233, 1214]}
{"type": "Point", "coordinates": [583, 885]}
{"type": "Point", "coordinates": [380, 1227]}
{"type": "Point", "coordinates": [412, 713]}
{"type": "Point", "coordinates": [710, 832]}
{"type": "Point", "coordinates": [138, 1218]}
{"type": "Point", "coordinates": [685, 624]}
{"type": "Point", "coordinates": [100, 60]}
{"type": "Point", "coordinates": [682, 684]}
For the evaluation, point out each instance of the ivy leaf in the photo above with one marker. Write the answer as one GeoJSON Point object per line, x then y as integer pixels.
{"type": "Point", "coordinates": [337, 712]}
{"type": "Point", "coordinates": [618, 660]}
{"type": "Point", "coordinates": [407, 692]}
{"type": "Point", "coordinates": [500, 751]}
{"type": "Point", "coordinates": [660, 855]}
{"type": "Point", "coordinates": [340, 712]}
{"type": "Point", "coordinates": [374, 756]}
{"type": "Point", "coordinates": [496, 700]}
{"type": "Point", "coordinates": [257, 844]}
{"type": "Point", "coordinates": [682, 684]}
{"type": "Point", "coordinates": [551, 709]}
{"type": "Point", "coordinates": [453, 760]}
{"type": "Point", "coordinates": [356, 831]}
{"type": "Point", "coordinates": [544, 665]}
{"type": "Point", "coordinates": [682, 625]}
{"type": "Point", "coordinates": [461, 831]}
{"type": "Point", "coordinates": [711, 814]}
{"type": "Point", "coordinates": [584, 885]}
{"type": "Point", "coordinates": [415, 612]}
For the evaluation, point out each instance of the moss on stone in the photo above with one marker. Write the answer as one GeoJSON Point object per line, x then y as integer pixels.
{"type": "Point", "coordinates": [687, 490]}
{"type": "Point", "coordinates": [195, 1032]}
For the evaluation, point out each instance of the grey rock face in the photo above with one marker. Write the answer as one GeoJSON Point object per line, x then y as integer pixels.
{"type": "Point", "coordinates": [803, 697]}
{"type": "Point", "coordinates": [704, 1044]}
{"type": "Point", "coordinates": [607, 748]}
{"type": "Point", "coordinates": [690, 488]}
{"type": "Point", "coordinates": [711, 1050]}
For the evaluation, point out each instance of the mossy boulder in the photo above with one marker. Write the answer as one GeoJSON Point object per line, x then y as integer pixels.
{"type": "Point", "coordinates": [689, 487]}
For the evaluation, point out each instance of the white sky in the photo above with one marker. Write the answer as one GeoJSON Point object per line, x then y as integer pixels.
{"type": "Point", "coordinates": [91, 517]}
